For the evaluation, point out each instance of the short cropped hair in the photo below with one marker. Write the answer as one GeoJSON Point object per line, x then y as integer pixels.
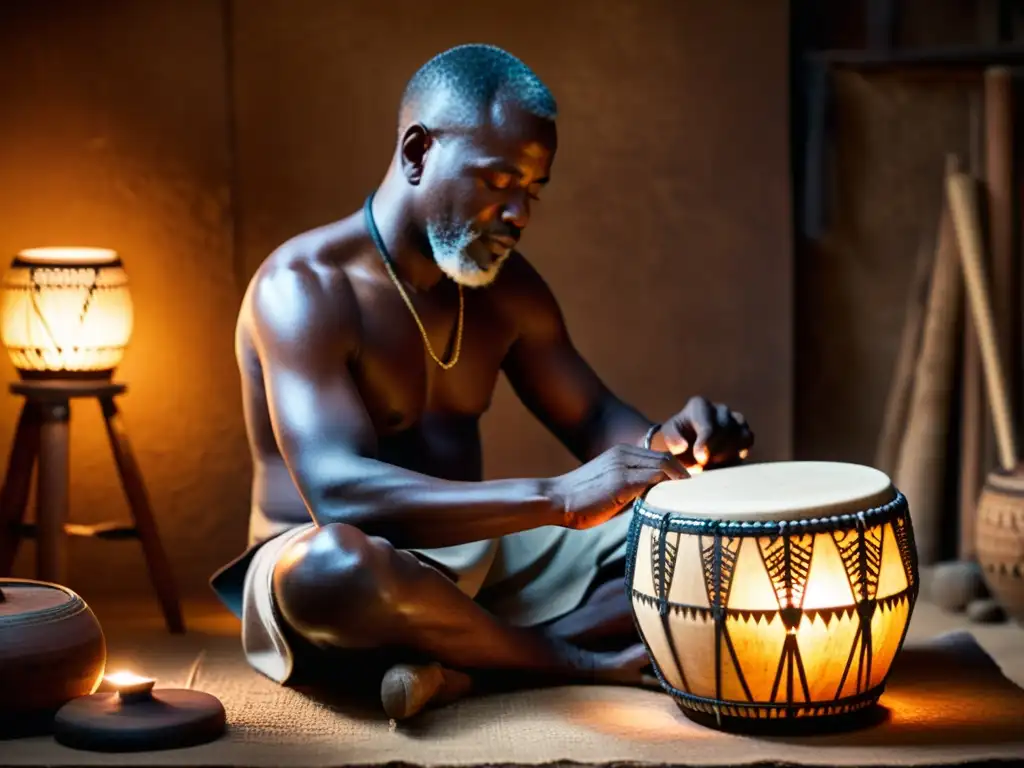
{"type": "Point", "coordinates": [475, 77]}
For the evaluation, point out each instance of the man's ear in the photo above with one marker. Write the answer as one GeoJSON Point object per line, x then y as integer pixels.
{"type": "Point", "coordinates": [415, 142]}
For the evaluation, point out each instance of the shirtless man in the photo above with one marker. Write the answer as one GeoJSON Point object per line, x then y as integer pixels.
{"type": "Point", "coordinates": [368, 350]}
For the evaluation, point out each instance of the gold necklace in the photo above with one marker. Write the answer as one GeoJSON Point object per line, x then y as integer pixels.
{"type": "Point", "coordinates": [378, 241]}
{"type": "Point", "coordinates": [423, 331]}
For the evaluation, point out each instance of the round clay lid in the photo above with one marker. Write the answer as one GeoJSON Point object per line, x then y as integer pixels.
{"type": "Point", "coordinates": [783, 490]}
{"type": "Point", "coordinates": [23, 599]}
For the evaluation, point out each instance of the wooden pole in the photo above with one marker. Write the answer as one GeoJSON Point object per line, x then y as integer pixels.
{"type": "Point", "coordinates": [894, 420]}
{"type": "Point", "coordinates": [967, 224]}
{"type": "Point", "coordinates": [921, 469]}
{"type": "Point", "coordinates": [52, 492]}
{"type": "Point", "coordinates": [973, 419]}
{"type": "Point", "coordinates": [999, 186]}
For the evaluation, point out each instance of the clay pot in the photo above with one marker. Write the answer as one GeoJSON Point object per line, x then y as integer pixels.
{"type": "Point", "coordinates": [52, 648]}
{"type": "Point", "coordinates": [1000, 539]}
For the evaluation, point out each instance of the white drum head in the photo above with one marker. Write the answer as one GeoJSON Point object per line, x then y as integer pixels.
{"type": "Point", "coordinates": [784, 490]}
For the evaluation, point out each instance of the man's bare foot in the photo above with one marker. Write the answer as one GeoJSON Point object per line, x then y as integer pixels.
{"type": "Point", "coordinates": [407, 688]}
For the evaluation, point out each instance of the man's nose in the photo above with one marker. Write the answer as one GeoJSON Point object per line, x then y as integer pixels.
{"type": "Point", "coordinates": [517, 210]}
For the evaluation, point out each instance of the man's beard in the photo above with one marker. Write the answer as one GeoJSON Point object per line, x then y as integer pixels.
{"type": "Point", "coordinates": [461, 255]}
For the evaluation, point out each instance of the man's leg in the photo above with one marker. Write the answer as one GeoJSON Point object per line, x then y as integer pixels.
{"type": "Point", "coordinates": [339, 588]}
{"type": "Point", "coordinates": [603, 621]}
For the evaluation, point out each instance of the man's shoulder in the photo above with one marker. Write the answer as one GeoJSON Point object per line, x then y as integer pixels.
{"type": "Point", "coordinates": [304, 284]}
{"type": "Point", "coordinates": [521, 290]}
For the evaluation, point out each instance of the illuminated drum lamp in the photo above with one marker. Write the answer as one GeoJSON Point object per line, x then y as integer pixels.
{"type": "Point", "coordinates": [67, 312]}
{"type": "Point", "coordinates": [66, 319]}
{"type": "Point", "coordinates": [774, 597]}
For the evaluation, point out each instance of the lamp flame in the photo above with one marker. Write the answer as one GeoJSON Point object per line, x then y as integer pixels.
{"type": "Point", "coordinates": [129, 684]}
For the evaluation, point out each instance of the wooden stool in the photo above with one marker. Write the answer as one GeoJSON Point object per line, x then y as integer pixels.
{"type": "Point", "coordinates": [42, 433]}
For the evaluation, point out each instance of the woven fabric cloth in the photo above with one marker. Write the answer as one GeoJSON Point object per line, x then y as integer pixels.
{"type": "Point", "coordinates": [949, 703]}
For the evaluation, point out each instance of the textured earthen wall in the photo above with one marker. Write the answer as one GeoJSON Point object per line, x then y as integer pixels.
{"type": "Point", "coordinates": [195, 141]}
{"type": "Point", "coordinates": [891, 137]}
{"type": "Point", "coordinates": [115, 133]}
{"type": "Point", "coordinates": [666, 224]}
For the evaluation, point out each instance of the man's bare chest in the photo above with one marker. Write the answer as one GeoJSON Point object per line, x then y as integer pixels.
{"type": "Point", "coordinates": [399, 382]}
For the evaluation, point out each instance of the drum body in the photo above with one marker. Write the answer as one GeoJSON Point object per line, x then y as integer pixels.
{"type": "Point", "coordinates": [778, 590]}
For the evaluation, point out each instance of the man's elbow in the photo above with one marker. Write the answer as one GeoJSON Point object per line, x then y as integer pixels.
{"type": "Point", "coordinates": [335, 490]}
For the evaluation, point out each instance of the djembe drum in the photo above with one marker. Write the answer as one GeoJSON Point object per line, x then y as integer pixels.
{"type": "Point", "coordinates": [774, 593]}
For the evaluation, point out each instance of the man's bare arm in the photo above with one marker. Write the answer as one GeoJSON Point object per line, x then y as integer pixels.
{"type": "Point", "coordinates": [305, 337]}
{"type": "Point", "coordinates": [554, 381]}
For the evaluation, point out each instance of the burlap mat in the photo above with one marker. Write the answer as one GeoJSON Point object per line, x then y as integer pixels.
{"type": "Point", "coordinates": [948, 703]}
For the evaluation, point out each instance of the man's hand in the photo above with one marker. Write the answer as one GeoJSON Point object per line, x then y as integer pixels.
{"type": "Point", "coordinates": [605, 486]}
{"type": "Point", "coordinates": [709, 434]}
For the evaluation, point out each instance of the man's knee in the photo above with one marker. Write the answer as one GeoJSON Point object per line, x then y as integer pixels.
{"type": "Point", "coordinates": [338, 586]}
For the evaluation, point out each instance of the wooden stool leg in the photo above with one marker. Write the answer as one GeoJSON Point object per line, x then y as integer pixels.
{"type": "Point", "coordinates": [52, 492]}
{"type": "Point", "coordinates": [18, 480]}
{"type": "Point", "coordinates": [138, 499]}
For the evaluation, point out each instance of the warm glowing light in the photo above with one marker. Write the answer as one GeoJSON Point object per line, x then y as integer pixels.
{"type": "Point", "coordinates": [750, 613]}
{"type": "Point", "coordinates": [66, 312]}
{"type": "Point", "coordinates": [56, 255]}
{"type": "Point", "coordinates": [129, 682]}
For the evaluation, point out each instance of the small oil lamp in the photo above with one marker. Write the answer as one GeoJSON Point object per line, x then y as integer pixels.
{"type": "Point", "coordinates": [130, 687]}
{"type": "Point", "coordinates": [130, 714]}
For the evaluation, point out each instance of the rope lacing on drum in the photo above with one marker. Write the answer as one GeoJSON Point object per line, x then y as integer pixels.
{"type": "Point", "coordinates": [664, 578]}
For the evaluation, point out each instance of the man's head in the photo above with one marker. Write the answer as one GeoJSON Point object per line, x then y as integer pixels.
{"type": "Point", "coordinates": [475, 145]}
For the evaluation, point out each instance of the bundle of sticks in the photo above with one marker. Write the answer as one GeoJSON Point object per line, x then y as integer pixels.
{"type": "Point", "coordinates": [945, 359]}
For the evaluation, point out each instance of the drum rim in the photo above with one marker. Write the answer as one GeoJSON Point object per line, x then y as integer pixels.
{"type": "Point", "coordinates": [828, 506]}
{"type": "Point", "coordinates": [680, 522]}
{"type": "Point", "coordinates": [707, 704]}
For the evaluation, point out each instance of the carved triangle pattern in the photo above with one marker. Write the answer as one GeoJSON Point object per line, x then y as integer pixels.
{"type": "Point", "coordinates": [718, 560]}
{"type": "Point", "coordinates": [693, 612]}
{"type": "Point", "coordinates": [663, 560]}
{"type": "Point", "coordinates": [657, 572]}
{"type": "Point", "coordinates": [663, 565]}
{"type": "Point", "coordinates": [752, 616]}
{"type": "Point", "coordinates": [828, 615]}
{"type": "Point", "coordinates": [890, 602]}
{"type": "Point", "coordinates": [85, 293]}
{"type": "Point", "coordinates": [861, 552]}
{"type": "Point", "coordinates": [725, 550]}
{"type": "Point", "coordinates": [1010, 570]}
{"type": "Point", "coordinates": [787, 559]}
{"type": "Point", "coordinates": [861, 650]}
